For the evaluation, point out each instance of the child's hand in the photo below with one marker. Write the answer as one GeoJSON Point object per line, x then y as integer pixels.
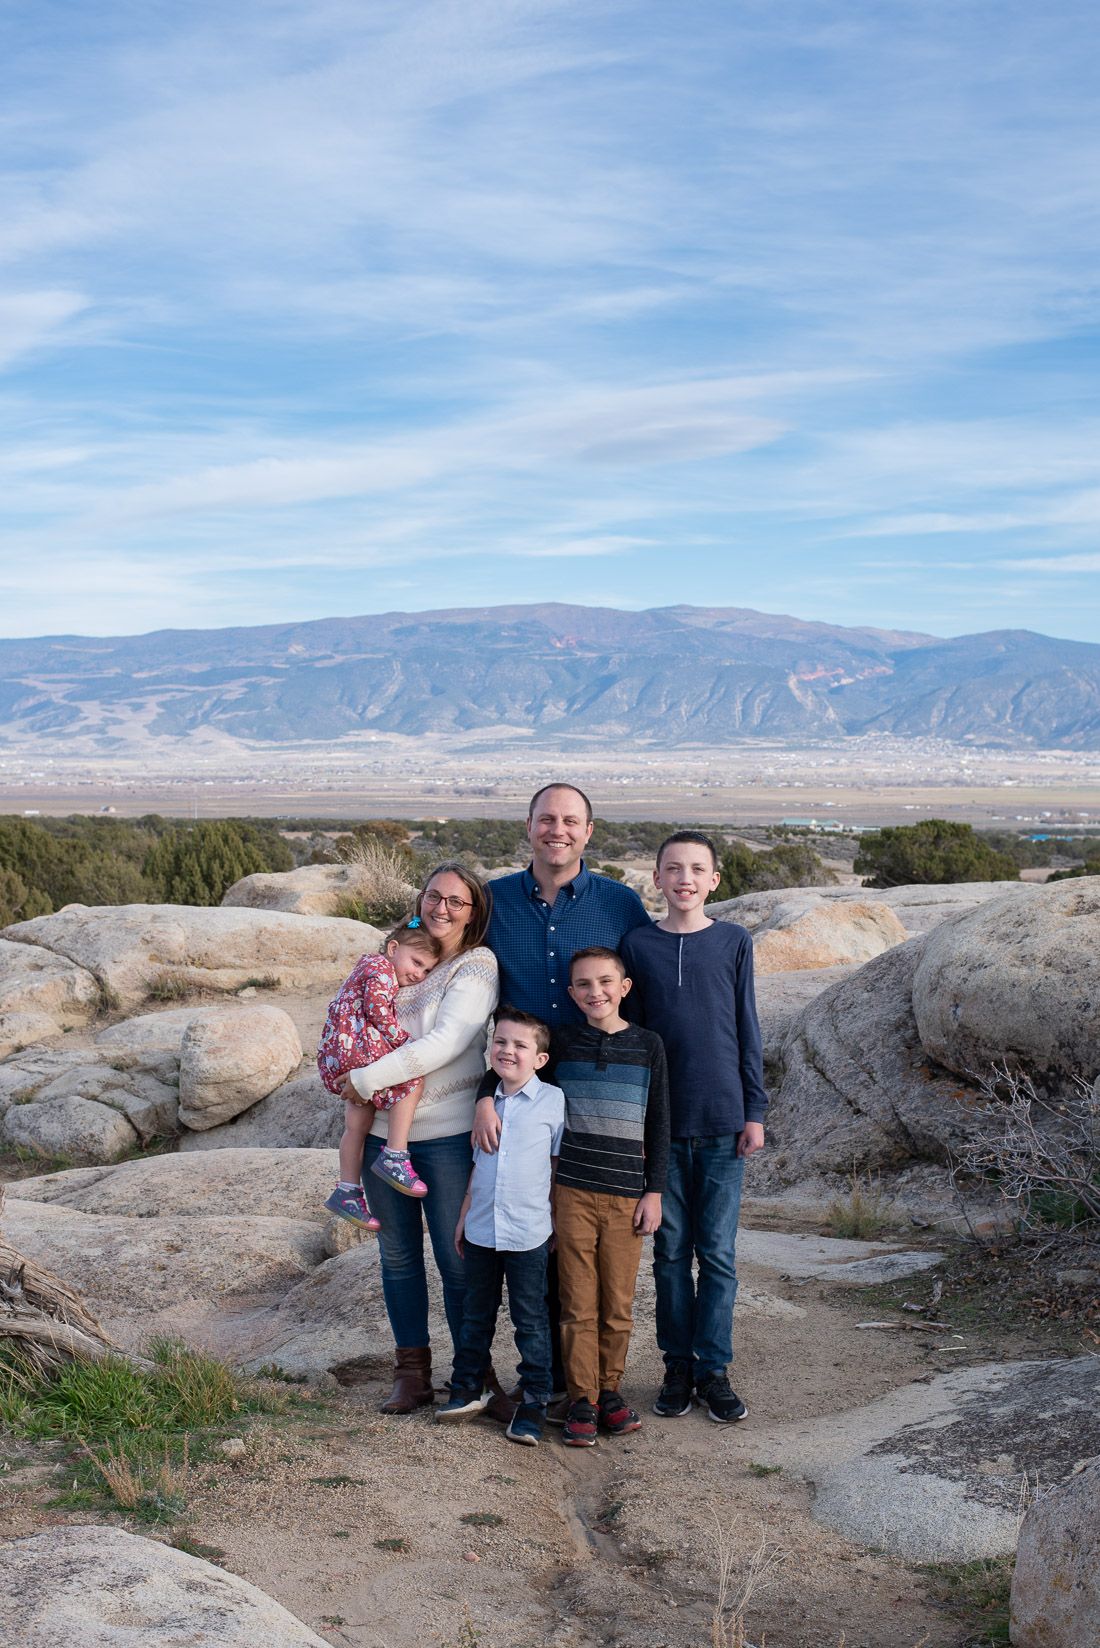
{"type": "Point", "coordinates": [751, 1140]}
{"type": "Point", "coordinates": [647, 1214]}
{"type": "Point", "coordinates": [460, 1231]}
{"type": "Point", "coordinates": [486, 1133]}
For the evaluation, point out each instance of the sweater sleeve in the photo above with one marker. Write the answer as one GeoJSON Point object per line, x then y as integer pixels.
{"type": "Point", "coordinates": [657, 1119]}
{"type": "Point", "coordinates": [468, 1000]}
{"type": "Point", "coordinates": [749, 1040]}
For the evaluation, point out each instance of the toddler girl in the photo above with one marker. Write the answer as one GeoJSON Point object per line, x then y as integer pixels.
{"type": "Point", "coordinates": [361, 1027]}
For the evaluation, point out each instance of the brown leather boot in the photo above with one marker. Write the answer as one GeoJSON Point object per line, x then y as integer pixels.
{"type": "Point", "coordinates": [412, 1380]}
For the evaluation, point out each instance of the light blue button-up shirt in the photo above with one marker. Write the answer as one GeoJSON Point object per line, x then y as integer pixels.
{"type": "Point", "coordinates": [510, 1190]}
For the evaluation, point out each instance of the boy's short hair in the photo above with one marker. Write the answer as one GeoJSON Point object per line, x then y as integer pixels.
{"type": "Point", "coordinates": [686, 837]}
{"type": "Point", "coordinates": [515, 1015]}
{"type": "Point", "coordinates": [559, 784]}
{"type": "Point", "coordinates": [416, 936]}
{"type": "Point", "coordinates": [598, 952]}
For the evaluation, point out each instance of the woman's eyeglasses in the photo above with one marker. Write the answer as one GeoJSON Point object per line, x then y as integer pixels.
{"type": "Point", "coordinates": [432, 901]}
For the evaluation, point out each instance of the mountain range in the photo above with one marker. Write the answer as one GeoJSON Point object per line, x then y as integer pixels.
{"type": "Point", "coordinates": [667, 676]}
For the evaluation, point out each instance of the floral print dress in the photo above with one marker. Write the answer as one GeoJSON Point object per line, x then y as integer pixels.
{"type": "Point", "coordinates": [361, 1027]}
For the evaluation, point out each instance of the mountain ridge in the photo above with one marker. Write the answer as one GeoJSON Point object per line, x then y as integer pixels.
{"type": "Point", "coordinates": [658, 676]}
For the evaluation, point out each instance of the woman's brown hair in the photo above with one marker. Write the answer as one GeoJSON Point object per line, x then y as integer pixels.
{"type": "Point", "coordinates": [482, 898]}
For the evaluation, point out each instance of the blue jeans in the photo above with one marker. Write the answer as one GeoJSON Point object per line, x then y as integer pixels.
{"type": "Point", "coordinates": [444, 1165]}
{"type": "Point", "coordinates": [487, 1269]}
{"type": "Point", "coordinates": [699, 1215]}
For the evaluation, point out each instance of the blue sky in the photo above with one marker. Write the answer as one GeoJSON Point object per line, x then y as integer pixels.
{"type": "Point", "coordinates": [309, 309]}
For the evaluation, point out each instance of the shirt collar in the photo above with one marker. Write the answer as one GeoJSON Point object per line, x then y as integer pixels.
{"type": "Point", "coordinates": [574, 888]}
{"type": "Point", "coordinates": [529, 1090]}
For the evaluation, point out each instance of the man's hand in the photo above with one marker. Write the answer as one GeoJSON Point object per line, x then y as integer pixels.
{"type": "Point", "coordinates": [751, 1140]}
{"type": "Point", "coordinates": [647, 1214]}
{"type": "Point", "coordinates": [486, 1133]}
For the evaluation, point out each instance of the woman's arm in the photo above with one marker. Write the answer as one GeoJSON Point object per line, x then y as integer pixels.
{"type": "Point", "coordinates": [468, 999]}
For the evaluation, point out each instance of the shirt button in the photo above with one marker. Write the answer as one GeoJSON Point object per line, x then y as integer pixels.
{"type": "Point", "coordinates": [551, 952]}
{"type": "Point", "coordinates": [553, 929]}
{"type": "Point", "coordinates": [553, 981]}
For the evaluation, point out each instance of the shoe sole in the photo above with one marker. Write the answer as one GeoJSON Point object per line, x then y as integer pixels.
{"type": "Point", "coordinates": [622, 1430]}
{"type": "Point", "coordinates": [402, 1190]}
{"type": "Point", "coordinates": [524, 1441]}
{"type": "Point", "coordinates": [579, 1441]}
{"type": "Point", "coordinates": [447, 1416]}
{"type": "Point", "coordinates": [734, 1419]}
{"type": "Point", "coordinates": [672, 1413]}
{"type": "Point", "coordinates": [360, 1224]}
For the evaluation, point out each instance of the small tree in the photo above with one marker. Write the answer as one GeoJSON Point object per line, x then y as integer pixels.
{"type": "Point", "coordinates": [18, 902]}
{"type": "Point", "coordinates": [933, 851]}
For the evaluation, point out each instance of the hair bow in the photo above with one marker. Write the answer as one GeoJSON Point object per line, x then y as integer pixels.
{"type": "Point", "coordinates": [413, 922]}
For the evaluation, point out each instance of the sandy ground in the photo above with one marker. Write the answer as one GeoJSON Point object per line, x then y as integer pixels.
{"type": "Point", "coordinates": [616, 1545]}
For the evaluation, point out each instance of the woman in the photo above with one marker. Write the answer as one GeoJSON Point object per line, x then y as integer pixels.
{"type": "Point", "coordinates": [445, 1016]}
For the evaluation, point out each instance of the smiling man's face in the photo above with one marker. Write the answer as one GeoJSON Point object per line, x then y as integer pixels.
{"type": "Point", "coordinates": [558, 829]}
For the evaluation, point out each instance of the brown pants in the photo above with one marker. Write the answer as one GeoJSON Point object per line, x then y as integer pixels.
{"type": "Point", "coordinates": [598, 1256]}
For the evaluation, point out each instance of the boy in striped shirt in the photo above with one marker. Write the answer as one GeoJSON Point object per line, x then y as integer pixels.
{"type": "Point", "coordinates": [614, 1158]}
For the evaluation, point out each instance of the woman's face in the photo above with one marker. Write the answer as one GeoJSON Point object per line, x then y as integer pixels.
{"type": "Point", "coordinates": [446, 909]}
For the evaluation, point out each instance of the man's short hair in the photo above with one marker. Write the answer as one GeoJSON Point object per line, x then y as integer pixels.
{"type": "Point", "coordinates": [688, 837]}
{"type": "Point", "coordinates": [515, 1015]}
{"type": "Point", "coordinates": [598, 952]}
{"type": "Point", "coordinates": [560, 784]}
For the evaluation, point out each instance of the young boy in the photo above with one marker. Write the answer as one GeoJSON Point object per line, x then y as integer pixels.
{"type": "Point", "coordinates": [614, 1158]}
{"type": "Point", "coordinates": [504, 1229]}
{"type": "Point", "coordinates": [693, 984]}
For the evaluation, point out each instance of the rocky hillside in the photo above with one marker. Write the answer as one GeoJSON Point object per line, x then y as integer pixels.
{"type": "Point", "coordinates": [659, 677]}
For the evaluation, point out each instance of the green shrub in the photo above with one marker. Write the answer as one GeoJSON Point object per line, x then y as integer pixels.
{"type": "Point", "coordinates": [198, 864]}
{"type": "Point", "coordinates": [935, 851]}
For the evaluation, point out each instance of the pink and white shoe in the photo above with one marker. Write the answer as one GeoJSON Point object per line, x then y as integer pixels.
{"type": "Point", "coordinates": [398, 1171]}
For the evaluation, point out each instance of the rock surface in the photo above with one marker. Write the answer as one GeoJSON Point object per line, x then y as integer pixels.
{"type": "Point", "coordinates": [781, 997]}
{"type": "Point", "coordinates": [164, 1273]}
{"type": "Point", "coordinates": [131, 948]}
{"type": "Point", "coordinates": [856, 1091]}
{"type": "Point", "coordinates": [40, 995]}
{"type": "Point", "coordinates": [292, 1184]}
{"type": "Point", "coordinates": [1016, 981]}
{"type": "Point", "coordinates": [827, 934]}
{"type": "Point", "coordinates": [934, 1472]}
{"type": "Point", "coordinates": [92, 1587]}
{"type": "Point", "coordinates": [918, 908]}
{"type": "Point", "coordinates": [232, 1057]}
{"type": "Point", "coordinates": [1056, 1585]}
{"type": "Point", "coordinates": [69, 1127]}
{"type": "Point", "coordinates": [311, 890]}
{"type": "Point", "coordinates": [300, 1114]}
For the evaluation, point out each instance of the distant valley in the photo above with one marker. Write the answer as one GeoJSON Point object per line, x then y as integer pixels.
{"type": "Point", "coordinates": [660, 678]}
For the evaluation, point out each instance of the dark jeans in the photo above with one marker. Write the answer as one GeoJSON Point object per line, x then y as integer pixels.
{"type": "Point", "coordinates": [699, 1215]}
{"type": "Point", "coordinates": [487, 1269]}
{"type": "Point", "coordinates": [444, 1165]}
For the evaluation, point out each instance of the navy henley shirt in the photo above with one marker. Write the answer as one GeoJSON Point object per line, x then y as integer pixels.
{"type": "Point", "coordinates": [696, 991]}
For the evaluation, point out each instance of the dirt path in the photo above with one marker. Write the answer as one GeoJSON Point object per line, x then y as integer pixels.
{"type": "Point", "coordinates": [511, 1547]}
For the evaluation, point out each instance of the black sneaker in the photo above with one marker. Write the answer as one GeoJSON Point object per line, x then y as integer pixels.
{"type": "Point", "coordinates": [723, 1405]}
{"type": "Point", "coordinates": [675, 1394]}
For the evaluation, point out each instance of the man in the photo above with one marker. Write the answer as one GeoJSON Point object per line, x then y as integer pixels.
{"type": "Point", "coordinates": [557, 906]}
{"type": "Point", "coordinates": [541, 917]}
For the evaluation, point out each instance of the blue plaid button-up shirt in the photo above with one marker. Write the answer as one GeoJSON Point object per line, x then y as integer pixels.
{"type": "Point", "coordinates": [534, 943]}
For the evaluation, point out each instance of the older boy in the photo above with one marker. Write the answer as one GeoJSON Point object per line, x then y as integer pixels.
{"type": "Point", "coordinates": [693, 984]}
{"type": "Point", "coordinates": [504, 1229]}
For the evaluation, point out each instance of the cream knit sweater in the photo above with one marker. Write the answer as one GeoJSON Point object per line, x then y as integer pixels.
{"type": "Point", "coordinates": [445, 1016]}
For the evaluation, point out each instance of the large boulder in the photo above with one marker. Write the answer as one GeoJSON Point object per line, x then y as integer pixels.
{"type": "Point", "coordinates": [933, 1472]}
{"type": "Point", "coordinates": [857, 1091]}
{"type": "Point", "coordinates": [827, 934]}
{"type": "Point", "coordinates": [301, 1114]}
{"type": "Point", "coordinates": [291, 1183]}
{"type": "Point", "coordinates": [312, 890]}
{"type": "Point", "coordinates": [69, 1128]}
{"type": "Point", "coordinates": [919, 908]}
{"type": "Point", "coordinates": [1056, 1584]}
{"type": "Point", "coordinates": [134, 949]}
{"type": "Point", "coordinates": [232, 1057]}
{"type": "Point", "coordinates": [41, 994]}
{"type": "Point", "coordinates": [1016, 982]}
{"type": "Point", "coordinates": [92, 1587]}
{"type": "Point", "coordinates": [333, 1317]}
{"type": "Point", "coordinates": [781, 997]}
